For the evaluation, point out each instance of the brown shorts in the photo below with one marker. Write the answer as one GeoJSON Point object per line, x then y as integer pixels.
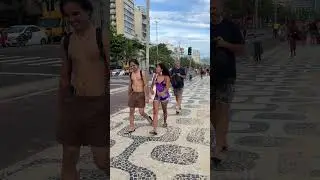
{"type": "Point", "coordinates": [83, 121]}
{"type": "Point", "coordinates": [178, 92]}
{"type": "Point", "coordinates": [137, 100]}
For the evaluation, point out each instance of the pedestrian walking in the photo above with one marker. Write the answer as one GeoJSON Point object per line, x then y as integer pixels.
{"type": "Point", "coordinates": [138, 93]}
{"type": "Point", "coordinates": [161, 82]}
{"type": "Point", "coordinates": [257, 48]}
{"type": "Point", "coordinates": [83, 89]}
{"type": "Point", "coordinates": [178, 74]}
{"type": "Point", "coordinates": [228, 42]}
{"type": "Point", "coordinates": [292, 38]}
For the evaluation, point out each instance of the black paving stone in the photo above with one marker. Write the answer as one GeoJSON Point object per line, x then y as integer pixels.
{"type": "Point", "coordinates": [281, 116]}
{"type": "Point", "coordinates": [262, 141]}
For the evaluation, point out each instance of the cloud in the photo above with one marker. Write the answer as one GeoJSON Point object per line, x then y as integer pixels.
{"type": "Point", "coordinates": [184, 22]}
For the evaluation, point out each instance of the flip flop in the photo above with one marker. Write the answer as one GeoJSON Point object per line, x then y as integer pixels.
{"type": "Point", "coordinates": [130, 131]}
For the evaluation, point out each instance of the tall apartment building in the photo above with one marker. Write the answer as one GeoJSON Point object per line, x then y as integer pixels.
{"type": "Point", "coordinates": [140, 23]}
{"type": "Point", "coordinates": [196, 56]}
{"type": "Point", "coordinates": [14, 11]}
{"type": "Point", "coordinates": [122, 17]}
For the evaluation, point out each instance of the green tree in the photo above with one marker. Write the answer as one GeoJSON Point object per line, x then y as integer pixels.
{"type": "Point", "coordinates": [266, 9]}
{"type": "Point", "coordinates": [123, 49]}
{"type": "Point", "coordinates": [164, 55]}
{"type": "Point", "coordinates": [232, 8]}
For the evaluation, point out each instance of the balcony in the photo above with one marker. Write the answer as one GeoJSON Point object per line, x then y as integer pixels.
{"type": "Point", "coordinates": [112, 1]}
{"type": "Point", "coordinates": [113, 23]}
{"type": "Point", "coordinates": [112, 11]}
{"type": "Point", "coordinates": [144, 21]}
{"type": "Point", "coordinates": [113, 18]}
{"type": "Point", "coordinates": [112, 5]}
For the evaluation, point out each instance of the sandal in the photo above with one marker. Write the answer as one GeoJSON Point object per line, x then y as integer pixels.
{"type": "Point", "coordinates": [165, 125]}
{"type": "Point", "coordinates": [153, 132]}
{"type": "Point", "coordinates": [150, 120]}
{"type": "Point", "coordinates": [130, 131]}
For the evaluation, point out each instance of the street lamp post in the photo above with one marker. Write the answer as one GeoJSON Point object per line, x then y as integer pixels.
{"type": "Point", "coordinates": [148, 36]}
{"type": "Point", "coordinates": [275, 11]}
{"type": "Point", "coordinates": [157, 42]}
{"type": "Point", "coordinates": [256, 13]}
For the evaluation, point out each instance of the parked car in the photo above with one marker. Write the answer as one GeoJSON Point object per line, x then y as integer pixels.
{"type": "Point", "coordinates": [26, 35]}
{"type": "Point", "coordinates": [117, 72]}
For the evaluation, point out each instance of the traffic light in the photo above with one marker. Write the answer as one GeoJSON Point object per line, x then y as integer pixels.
{"type": "Point", "coordinates": [189, 51]}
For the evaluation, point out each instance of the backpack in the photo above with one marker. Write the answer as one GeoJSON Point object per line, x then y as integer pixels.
{"type": "Point", "coordinates": [66, 42]}
{"type": "Point", "coordinates": [131, 78]}
{"type": "Point", "coordinates": [176, 81]}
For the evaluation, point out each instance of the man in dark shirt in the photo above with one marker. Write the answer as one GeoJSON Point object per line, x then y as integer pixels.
{"type": "Point", "coordinates": [178, 74]}
{"type": "Point", "coordinates": [227, 42]}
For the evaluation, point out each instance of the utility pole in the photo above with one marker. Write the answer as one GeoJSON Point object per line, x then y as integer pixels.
{"type": "Point", "coordinates": [102, 24]}
{"type": "Point", "coordinates": [148, 36]}
{"type": "Point", "coordinates": [157, 42]}
{"type": "Point", "coordinates": [256, 13]}
{"type": "Point", "coordinates": [179, 52]}
{"type": "Point", "coordinates": [275, 11]}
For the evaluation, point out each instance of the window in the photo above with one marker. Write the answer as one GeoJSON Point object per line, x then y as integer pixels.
{"type": "Point", "coordinates": [34, 29]}
{"type": "Point", "coordinates": [49, 23]}
{"type": "Point", "coordinates": [15, 29]}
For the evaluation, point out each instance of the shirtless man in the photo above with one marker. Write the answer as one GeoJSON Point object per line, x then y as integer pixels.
{"type": "Point", "coordinates": [138, 93]}
{"type": "Point", "coordinates": [82, 93]}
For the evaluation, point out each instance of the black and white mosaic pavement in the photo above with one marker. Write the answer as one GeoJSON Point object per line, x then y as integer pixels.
{"type": "Point", "coordinates": [275, 119]}
{"type": "Point", "coordinates": [174, 153]}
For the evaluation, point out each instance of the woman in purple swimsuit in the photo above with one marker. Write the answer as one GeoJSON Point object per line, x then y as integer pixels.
{"type": "Point", "coordinates": [162, 96]}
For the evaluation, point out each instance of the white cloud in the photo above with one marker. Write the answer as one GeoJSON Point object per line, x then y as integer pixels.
{"type": "Point", "coordinates": [189, 28]}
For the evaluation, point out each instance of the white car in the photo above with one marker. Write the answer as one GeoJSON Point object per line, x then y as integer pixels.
{"type": "Point", "coordinates": [118, 72]}
{"type": "Point", "coordinates": [33, 35]}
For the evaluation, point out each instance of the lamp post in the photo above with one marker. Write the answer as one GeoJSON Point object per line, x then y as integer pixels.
{"type": "Point", "coordinates": [148, 36]}
{"type": "Point", "coordinates": [156, 21]}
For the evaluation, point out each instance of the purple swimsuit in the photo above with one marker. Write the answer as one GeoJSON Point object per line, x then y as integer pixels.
{"type": "Point", "coordinates": [160, 87]}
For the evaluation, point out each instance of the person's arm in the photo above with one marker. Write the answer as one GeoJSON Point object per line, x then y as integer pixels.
{"type": "Point", "coordinates": [237, 45]}
{"type": "Point", "coordinates": [167, 79]}
{"type": "Point", "coordinates": [130, 86]}
{"type": "Point", "coordinates": [146, 83]}
{"type": "Point", "coordinates": [64, 82]}
{"type": "Point", "coordinates": [152, 83]}
{"type": "Point", "coordinates": [105, 41]}
{"type": "Point", "coordinates": [183, 73]}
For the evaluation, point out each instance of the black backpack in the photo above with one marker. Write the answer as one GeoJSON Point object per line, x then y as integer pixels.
{"type": "Point", "coordinates": [131, 78]}
{"type": "Point", "coordinates": [66, 42]}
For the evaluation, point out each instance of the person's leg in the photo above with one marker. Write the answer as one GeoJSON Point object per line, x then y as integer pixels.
{"type": "Point", "coordinates": [155, 116]}
{"type": "Point", "coordinates": [96, 134]}
{"type": "Point", "coordinates": [164, 105]}
{"type": "Point", "coordinates": [68, 131]}
{"type": "Point", "coordinates": [222, 125]}
{"type": "Point", "coordinates": [175, 91]}
{"type": "Point", "coordinates": [131, 119]}
{"type": "Point", "coordinates": [141, 103]}
{"type": "Point", "coordinates": [101, 158]}
{"type": "Point", "coordinates": [70, 159]}
{"type": "Point", "coordinates": [294, 47]}
{"type": "Point", "coordinates": [179, 95]}
{"type": "Point", "coordinates": [131, 104]}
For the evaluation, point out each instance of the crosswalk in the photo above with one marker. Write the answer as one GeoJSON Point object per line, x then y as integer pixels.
{"type": "Point", "coordinates": [30, 61]}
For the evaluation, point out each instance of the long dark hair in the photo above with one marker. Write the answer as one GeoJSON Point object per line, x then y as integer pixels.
{"type": "Point", "coordinates": [165, 71]}
{"type": "Point", "coordinates": [84, 4]}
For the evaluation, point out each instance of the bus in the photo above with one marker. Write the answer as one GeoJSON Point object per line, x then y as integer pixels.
{"type": "Point", "coordinates": [54, 25]}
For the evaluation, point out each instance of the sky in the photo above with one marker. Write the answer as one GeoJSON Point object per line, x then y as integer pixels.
{"type": "Point", "coordinates": [181, 21]}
